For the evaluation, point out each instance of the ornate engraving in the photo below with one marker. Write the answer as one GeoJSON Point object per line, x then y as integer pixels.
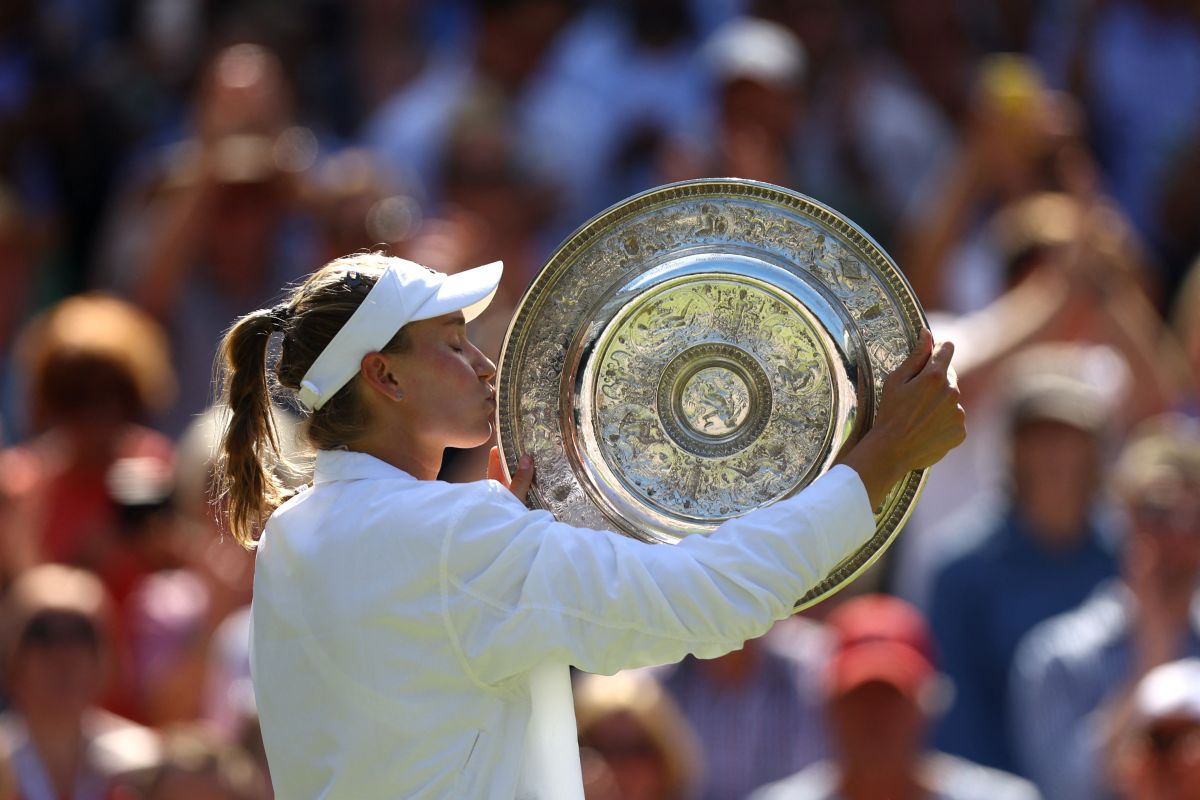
{"type": "Point", "coordinates": [717, 380]}
{"type": "Point", "coordinates": [715, 402]}
{"type": "Point", "coordinates": [661, 458]}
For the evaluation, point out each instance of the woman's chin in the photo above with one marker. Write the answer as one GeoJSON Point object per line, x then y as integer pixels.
{"type": "Point", "coordinates": [475, 438]}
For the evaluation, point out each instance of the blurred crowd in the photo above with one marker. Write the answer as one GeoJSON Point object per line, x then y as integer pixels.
{"type": "Point", "coordinates": [166, 165]}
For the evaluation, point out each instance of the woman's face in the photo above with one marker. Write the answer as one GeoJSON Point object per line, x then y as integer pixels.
{"type": "Point", "coordinates": [446, 384]}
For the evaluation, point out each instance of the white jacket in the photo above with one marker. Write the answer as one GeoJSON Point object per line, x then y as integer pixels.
{"type": "Point", "coordinates": [395, 620]}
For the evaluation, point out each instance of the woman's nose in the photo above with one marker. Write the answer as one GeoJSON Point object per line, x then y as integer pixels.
{"type": "Point", "coordinates": [484, 367]}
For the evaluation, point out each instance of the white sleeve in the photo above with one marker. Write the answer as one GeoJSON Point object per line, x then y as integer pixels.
{"type": "Point", "coordinates": [519, 588]}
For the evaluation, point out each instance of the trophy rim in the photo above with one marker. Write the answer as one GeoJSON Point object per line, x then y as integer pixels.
{"type": "Point", "coordinates": [896, 509]}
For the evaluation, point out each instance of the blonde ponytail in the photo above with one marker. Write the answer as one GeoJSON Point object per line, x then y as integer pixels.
{"type": "Point", "coordinates": [246, 484]}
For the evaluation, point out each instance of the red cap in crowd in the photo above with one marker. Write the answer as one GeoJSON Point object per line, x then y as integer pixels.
{"type": "Point", "coordinates": [880, 638]}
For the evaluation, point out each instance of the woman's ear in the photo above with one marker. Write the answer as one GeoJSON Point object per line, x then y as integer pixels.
{"type": "Point", "coordinates": [379, 373]}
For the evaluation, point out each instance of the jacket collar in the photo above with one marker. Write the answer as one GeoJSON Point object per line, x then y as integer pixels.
{"type": "Point", "coordinates": [350, 465]}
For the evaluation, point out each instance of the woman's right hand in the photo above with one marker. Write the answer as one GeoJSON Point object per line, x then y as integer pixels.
{"type": "Point", "coordinates": [919, 420]}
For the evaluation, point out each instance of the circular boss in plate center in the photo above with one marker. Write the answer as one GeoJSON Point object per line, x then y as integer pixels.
{"type": "Point", "coordinates": [714, 399]}
{"type": "Point", "coordinates": [715, 402]}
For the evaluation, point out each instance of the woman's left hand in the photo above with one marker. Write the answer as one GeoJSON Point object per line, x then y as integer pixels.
{"type": "Point", "coordinates": [521, 479]}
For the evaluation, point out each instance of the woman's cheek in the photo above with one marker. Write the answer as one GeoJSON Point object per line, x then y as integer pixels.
{"type": "Point", "coordinates": [444, 360]}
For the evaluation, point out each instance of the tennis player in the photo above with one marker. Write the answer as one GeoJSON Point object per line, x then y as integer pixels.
{"type": "Point", "coordinates": [396, 617]}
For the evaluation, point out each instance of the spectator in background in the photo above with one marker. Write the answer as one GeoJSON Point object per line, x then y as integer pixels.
{"type": "Point", "coordinates": [97, 368]}
{"type": "Point", "coordinates": [61, 136]}
{"type": "Point", "coordinates": [621, 81]}
{"type": "Point", "coordinates": [882, 693]}
{"type": "Point", "coordinates": [1074, 675]}
{"type": "Point", "coordinates": [160, 614]}
{"type": "Point", "coordinates": [883, 104]}
{"type": "Point", "coordinates": [197, 767]}
{"type": "Point", "coordinates": [756, 710]}
{"type": "Point", "coordinates": [1040, 553]}
{"type": "Point", "coordinates": [930, 41]}
{"type": "Point", "coordinates": [634, 742]}
{"type": "Point", "coordinates": [757, 69]}
{"type": "Point", "coordinates": [358, 208]}
{"type": "Point", "coordinates": [1135, 66]}
{"type": "Point", "coordinates": [1074, 284]}
{"type": "Point", "coordinates": [225, 227]}
{"type": "Point", "coordinates": [389, 44]}
{"type": "Point", "coordinates": [55, 646]}
{"type": "Point", "coordinates": [510, 40]}
{"type": "Point", "coordinates": [1042, 298]}
{"type": "Point", "coordinates": [1158, 750]}
{"type": "Point", "coordinates": [1019, 138]}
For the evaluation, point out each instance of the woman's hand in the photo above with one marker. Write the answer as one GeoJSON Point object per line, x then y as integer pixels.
{"type": "Point", "coordinates": [919, 420]}
{"type": "Point", "coordinates": [521, 479]}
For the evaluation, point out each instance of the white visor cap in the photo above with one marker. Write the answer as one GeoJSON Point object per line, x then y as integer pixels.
{"type": "Point", "coordinates": [405, 292]}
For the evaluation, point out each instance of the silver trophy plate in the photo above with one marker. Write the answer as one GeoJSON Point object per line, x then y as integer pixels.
{"type": "Point", "coordinates": [701, 350]}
